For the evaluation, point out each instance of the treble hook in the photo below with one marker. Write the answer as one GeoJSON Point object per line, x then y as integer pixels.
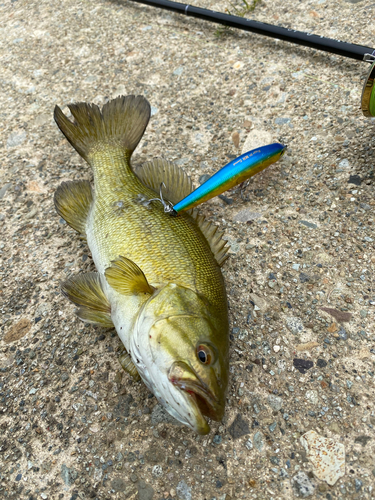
{"type": "Point", "coordinates": [168, 207]}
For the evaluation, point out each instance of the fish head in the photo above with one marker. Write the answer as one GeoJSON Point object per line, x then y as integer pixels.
{"type": "Point", "coordinates": [181, 344]}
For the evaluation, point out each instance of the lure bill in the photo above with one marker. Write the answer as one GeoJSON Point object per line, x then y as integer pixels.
{"type": "Point", "coordinates": [234, 173]}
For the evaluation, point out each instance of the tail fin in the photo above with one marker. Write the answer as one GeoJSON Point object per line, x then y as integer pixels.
{"type": "Point", "coordinates": [121, 123]}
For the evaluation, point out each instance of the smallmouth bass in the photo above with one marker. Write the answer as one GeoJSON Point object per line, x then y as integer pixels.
{"type": "Point", "coordinates": [158, 280]}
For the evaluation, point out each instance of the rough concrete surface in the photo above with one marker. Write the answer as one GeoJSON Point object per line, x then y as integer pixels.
{"type": "Point", "coordinates": [73, 425]}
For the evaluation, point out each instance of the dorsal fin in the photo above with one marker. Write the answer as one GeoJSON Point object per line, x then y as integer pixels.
{"type": "Point", "coordinates": [126, 277]}
{"type": "Point", "coordinates": [121, 123]}
{"type": "Point", "coordinates": [214, 237]}
{"type": "Point", "coordinates": [73, 200]}
{"type": "Point", "coordinates": [86, 292]}
{"type": "Point", "coordinates": [153, 173]}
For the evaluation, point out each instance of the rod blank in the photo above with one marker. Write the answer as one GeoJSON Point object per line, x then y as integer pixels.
{"type": "Point", "coordinates": [344, 49]}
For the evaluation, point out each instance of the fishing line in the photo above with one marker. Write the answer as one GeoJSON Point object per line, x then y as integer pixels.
{"type": "Point", "coordinates": [345, 49]}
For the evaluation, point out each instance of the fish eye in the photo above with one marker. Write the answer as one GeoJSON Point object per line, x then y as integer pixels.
{"type": "Point", "coordinates": [204, 354]}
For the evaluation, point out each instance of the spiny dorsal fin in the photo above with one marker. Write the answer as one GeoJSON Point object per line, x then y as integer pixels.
{"type": "Point", "coordinates": [214, 237]}
{"type": "Point", "coordinates": [73, 201]}
{"type": "Point", "coordinates": [86, 292]}
{"type": "Point", "coordinates": [121, 123]}
{"type": "Point", "coordinates": [127, 278]}
{"type": "Point", "coordinates": [127, 364]}
{"type": "Point", "coordinates": [153, 173]}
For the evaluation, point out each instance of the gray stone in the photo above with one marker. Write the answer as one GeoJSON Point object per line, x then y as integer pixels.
{"type": "Point", "coordinates": [342, 333]}
{"type": "Point", "coordinates": [283, 472]}
{"type": "Point", "coordinates": [302, 485]}
{"type": "Point", "coordinates": [312, 396]}
{"type": "Point", "coordinates": [4, 189]}
{"type": "Point", "coordinates": [118, 484]}
{"type": "Point", "coordinates": [273, 426]}
{"type": "Point", "coordinates": [154, 455]}
{"type": "Point", "coordinates": [308, 224]}
{"type": "Point", "coordinates": [159, 414]}
{"type": "Point", "coordinates": [249, 444]}
{"type": "Point", "coordinates": [122, 407]}
{"type": "Point", "coordinates": [365, 206]}
{"type": "Point", "coordinates": [294, 324]}
{"type": "Point", "coordinates": [239, 427]}
{"type": "Point", "coordinates": [304, 278]}
{"type": "Point", "coordinates": [258, 441]}
{"type": "Point", "coordinates": [217, 439]}
{"type": "Point", "coordinates": [259, 302]}
{"type": "Point", "coordinates": [183, 491]}
{"type": "Point", "coordinates": [157, 470]}
{"type": "Point", "coordinates": [282, 120]}
{"type": "Point", "coordinates": [275, 402]}
{"type": "Point", "coordinates": [363, 440]}
{"type": "Point", "coordinates": [145, 491]}
{"type": "Point", "coordinates": [16, 139]}
{"type": "Point", "coordinates": [358, 485]}
{"type": "Point", "coordinates": [246, 215]}
{"type": "Point", "coordinates": [68, 474]}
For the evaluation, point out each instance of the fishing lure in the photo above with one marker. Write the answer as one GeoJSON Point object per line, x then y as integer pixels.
{"type": "Point", "coordinates": [234, 173]}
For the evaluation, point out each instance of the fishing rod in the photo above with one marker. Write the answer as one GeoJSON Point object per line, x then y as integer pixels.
{"type": "Point", "coordinates": [345, 49]}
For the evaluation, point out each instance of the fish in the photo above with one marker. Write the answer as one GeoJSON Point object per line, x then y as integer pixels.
{"type": "Point", "coordinates": [158, 278]}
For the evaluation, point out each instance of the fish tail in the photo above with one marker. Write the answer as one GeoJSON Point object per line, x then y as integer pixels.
{"type": "Point", "coordinates": [119, 125]}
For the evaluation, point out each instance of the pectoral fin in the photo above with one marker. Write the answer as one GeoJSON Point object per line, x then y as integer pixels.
{"type": "Point", "coordinates": [127, 278]}
{"type": "Point", "coordinates": [127, 364]}
{"type": "Point", "coordinates": [86, 292]}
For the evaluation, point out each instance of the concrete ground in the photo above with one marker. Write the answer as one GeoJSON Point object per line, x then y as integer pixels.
{"type": "Point", "coordinates": [299, 279]}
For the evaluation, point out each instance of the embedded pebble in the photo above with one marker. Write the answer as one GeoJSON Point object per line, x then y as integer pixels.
{"type": "Point", "coordinates": [325, 455]}
{"type": "Point", "coordinates": [246, 215]}
{"type": "Point", "coordinates": [303, 487]}
{"type": "Point", "coordinates": [312, 396]}
{"type": "Point", "coordinates": [275, 402]}
{"type": "Point", "coordinates": [258, 441]}
{"type": "Point", "coordinates": [4, 189]}
{"type": "Point", "coordinates": [294, 324]}
{"type": "Point", "coordinates": [183, 491]}
{"type": "Point", "coordinates": [239, 427]}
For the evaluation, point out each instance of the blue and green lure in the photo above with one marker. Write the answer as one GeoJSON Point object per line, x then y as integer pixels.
{"type": "Point", "coordinates": [234, 173]}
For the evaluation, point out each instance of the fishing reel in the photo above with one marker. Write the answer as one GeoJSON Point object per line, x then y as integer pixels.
{"type": "Point", "coordinates": [368, 92]}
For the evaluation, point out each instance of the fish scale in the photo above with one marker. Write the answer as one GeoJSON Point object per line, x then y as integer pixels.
{"type": "Point", "coordinates": [187, 258]}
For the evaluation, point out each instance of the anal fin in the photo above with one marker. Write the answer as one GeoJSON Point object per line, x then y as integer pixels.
{"type": "Point", "coordinates": [73, 200]}
{"type": "Point", "coordinates": [127, 364]}
{"type": "Point", "coordinates": [86, 292]}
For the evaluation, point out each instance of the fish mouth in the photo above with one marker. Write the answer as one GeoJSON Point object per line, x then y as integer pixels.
{"type": "Point", "coordinates": [201, 398]}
